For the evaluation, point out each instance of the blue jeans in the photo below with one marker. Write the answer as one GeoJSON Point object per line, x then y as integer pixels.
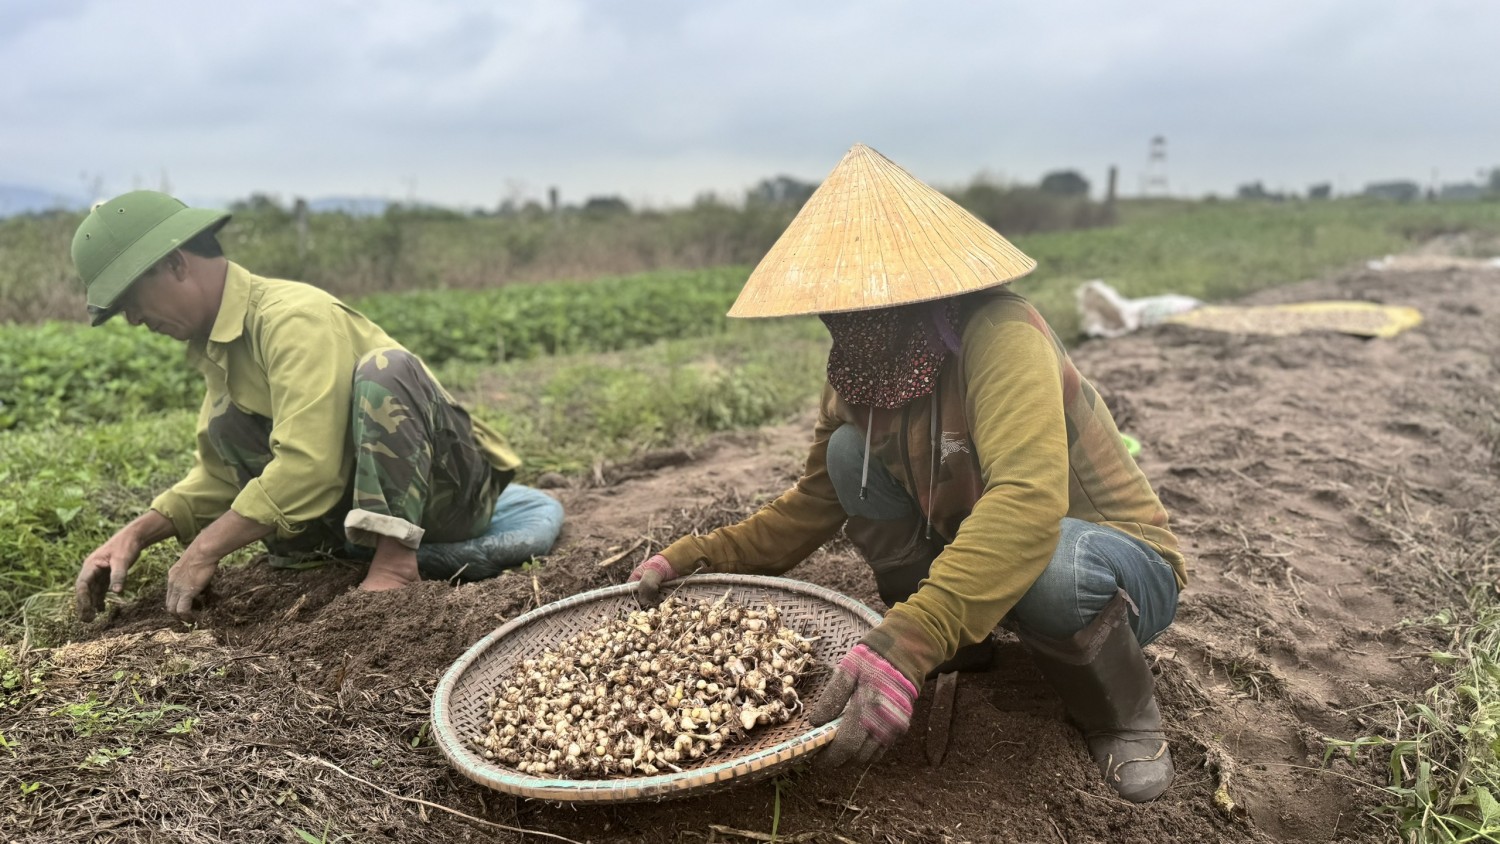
{"type": "Point", "coordinates": [524, 525]}
{"type": "Point", "coordinates": [1091, 564]}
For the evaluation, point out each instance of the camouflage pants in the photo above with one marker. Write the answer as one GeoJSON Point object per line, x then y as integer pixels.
{"type": "Point", "coordinates": [418, 474]}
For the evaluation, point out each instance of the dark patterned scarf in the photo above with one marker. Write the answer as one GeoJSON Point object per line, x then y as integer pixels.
{"type": "Point", "coordinates": [887, 357]}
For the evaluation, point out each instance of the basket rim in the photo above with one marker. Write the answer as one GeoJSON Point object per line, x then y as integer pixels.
{"type": "Point", "coordinates": [621, 789]}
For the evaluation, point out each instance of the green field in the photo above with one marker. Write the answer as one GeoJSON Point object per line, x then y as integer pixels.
{"type": "Point", "coordinates": [49, 375]}
{"type": "Point", "coordinates": [94, 422]}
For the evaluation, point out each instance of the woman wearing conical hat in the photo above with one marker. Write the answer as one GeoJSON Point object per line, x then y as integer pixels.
{"type": "Point", "coordinates": [980, 475]}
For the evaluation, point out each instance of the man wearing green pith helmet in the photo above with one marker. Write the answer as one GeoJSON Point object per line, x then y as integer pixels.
{"type": "Point", "coordinates": [317, 432]}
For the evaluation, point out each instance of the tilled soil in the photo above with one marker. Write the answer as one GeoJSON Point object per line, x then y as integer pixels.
{"type": "Point", "coordinates": [1328, 489]}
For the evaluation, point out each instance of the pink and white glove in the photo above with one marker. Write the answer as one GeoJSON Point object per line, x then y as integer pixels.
{"type": "Point", "coordinates": [876, 702]}
{"type": "Point", "coordinates": [652, 574]}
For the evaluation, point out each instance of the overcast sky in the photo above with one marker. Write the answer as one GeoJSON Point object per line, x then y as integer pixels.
{"type": "Point", "coordinates": [467, 102]}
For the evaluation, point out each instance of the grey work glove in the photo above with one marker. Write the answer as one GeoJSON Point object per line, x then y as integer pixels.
{"type": "Point", "coordinates": [875, 701]}
{"type": "Point", "coordinates": [652, 574]}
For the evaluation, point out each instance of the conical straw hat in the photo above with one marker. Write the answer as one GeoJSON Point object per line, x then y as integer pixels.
{"type": "Point", "coordinates": [872, 236]}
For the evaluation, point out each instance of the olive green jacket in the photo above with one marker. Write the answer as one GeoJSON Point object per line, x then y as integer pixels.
{"type": "Point", "coordinates": [286, 351]}
{"type": "Point", "coordinates": [1029, 437]}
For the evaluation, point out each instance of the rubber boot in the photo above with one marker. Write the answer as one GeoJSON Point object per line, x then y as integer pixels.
{"type": "Point", "coordinates": [900, 556]}
{"type": "Point", "coordinates": [1106, 686]}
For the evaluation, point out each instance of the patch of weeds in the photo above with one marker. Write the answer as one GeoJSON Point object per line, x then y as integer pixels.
{"type": "Point", "coordinates": [106, 757]}
{"type": "Point", "coordinates": [183, 727]}
{"type": "Point", "coordinates": [1444, 749]}
{"type": "Point", "coordinates": [93, 716]}
{"type": "Point", "coordinates": [19, 684]}
{"type": "Point", "coordinates": [309, 838]}
{"type": "Point", "coordinates": [420, 737]}
{"type": "Point", "coordinates": [64, 489]}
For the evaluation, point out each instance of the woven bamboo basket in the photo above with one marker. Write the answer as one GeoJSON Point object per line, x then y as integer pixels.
{"type": "Point", "coordinates": [836, 621]}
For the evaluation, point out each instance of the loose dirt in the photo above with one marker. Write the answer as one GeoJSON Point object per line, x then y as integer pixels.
{"type": "Point", "coordinates": [1328, 490]}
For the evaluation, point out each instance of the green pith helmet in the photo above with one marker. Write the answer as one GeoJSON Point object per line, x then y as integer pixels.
{"type": "Point", "coordinates": [123, 238]}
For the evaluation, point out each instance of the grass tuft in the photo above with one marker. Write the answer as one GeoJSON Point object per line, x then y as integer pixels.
{"type": "Point", "coordinates": [1442, 754]}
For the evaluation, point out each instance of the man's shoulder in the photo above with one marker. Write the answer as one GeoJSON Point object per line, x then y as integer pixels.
{"type": "Point", "coordinates": [292, 311]}
{"type": "Point", "coordinates": [272, 298]}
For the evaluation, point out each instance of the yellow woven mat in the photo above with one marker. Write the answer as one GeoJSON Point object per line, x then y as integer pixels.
{"type": "Point", "coordinates": [1365, 319]}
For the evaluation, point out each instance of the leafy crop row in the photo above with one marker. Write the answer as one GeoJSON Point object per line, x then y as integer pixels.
{"type": "Point", "coordinates": [531, 320]}
{"type": "Point", "coordinates": [1208, 250]}
{"type": "Point", "coordinates": [63, 372]}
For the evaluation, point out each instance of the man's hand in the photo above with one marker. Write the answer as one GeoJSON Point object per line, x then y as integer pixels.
{"type": "Point", "coordinates": [105, 568]}
{"type": "Point", "coordinates": [876, 702]}
{"type": "Point", "coordinates": [652, 574]}
{"type": "Point", "coordinates": [186, 580]}
{"type": "Point", "coordinates": [190, 575]}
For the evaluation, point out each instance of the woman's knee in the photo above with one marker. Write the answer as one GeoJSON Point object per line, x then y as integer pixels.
{"type": "Point", "coordinates": [1091, 565]}
{"type": "Point", "coordinates": [845, 453]}
{"type": "Point", "coordinates": [1061, 601]}
{"type": "Point", "coordinates": [864, 488]}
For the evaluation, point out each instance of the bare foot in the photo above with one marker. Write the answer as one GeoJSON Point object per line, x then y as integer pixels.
{"type": "Point", "coordinates": [394, 566]}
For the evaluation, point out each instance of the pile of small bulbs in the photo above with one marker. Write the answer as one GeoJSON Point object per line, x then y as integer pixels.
{"type": "Point", "coordinates": [648, 692]}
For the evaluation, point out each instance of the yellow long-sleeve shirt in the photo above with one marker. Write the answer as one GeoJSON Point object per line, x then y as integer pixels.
{"type": "Point", "coordinates": [286, 351]}
{"type": "Point", "coordinates": [1044, 447]}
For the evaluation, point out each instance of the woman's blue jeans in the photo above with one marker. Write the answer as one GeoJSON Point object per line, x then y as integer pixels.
{"type": "Point", "coordinates": [1091, 564]}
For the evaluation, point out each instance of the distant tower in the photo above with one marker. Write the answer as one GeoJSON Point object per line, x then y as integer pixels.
{"type": "Point", "coordinates": [1154, 180]}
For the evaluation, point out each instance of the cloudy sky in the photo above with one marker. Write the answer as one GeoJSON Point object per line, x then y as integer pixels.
{"type": "Point", "coordinates": [466, 103]}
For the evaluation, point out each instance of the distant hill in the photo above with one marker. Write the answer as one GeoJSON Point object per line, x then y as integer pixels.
{"type": "Point", "coordinates": [25, 199]}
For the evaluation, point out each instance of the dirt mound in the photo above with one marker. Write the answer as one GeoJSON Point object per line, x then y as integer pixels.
{"type": "Point", "coordinates": [1326, 489]}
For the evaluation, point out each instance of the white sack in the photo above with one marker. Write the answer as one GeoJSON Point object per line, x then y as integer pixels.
{"type": "Point", "coordinates": [1103, 312]}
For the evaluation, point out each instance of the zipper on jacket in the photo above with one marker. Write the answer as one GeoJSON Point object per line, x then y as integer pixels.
{"type": "Point", "coordinates": [864, 472]}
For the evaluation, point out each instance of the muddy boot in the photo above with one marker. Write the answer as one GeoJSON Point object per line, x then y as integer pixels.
{"type": "Point", "coordinates": [901, 556]}
{"type": "Point", "coordinates": [1106, 685]}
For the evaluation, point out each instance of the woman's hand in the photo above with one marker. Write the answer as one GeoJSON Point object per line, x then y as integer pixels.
{"type": "Point", "coordinates": [875, 701]}
{"type": "Point", "coordinates": [652, 574]}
